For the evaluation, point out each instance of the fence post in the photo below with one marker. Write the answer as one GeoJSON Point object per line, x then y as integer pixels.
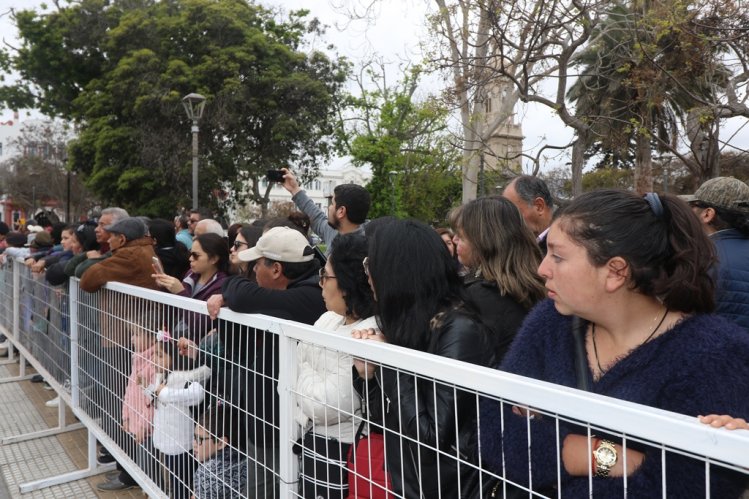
{"type": "Point", "coordinates": [16, 299]}
{"type": "Point", "coordinates": [289, 465]}
{"type": "Point", "coordinates": [73, 311]}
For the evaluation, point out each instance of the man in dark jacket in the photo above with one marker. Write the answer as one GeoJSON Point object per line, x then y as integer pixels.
{"type": "Point", "coordinates": [722, 205]}
{"type": "Point", "coordinates": [287, 287]}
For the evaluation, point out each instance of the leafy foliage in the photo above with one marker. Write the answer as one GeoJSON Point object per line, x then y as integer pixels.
{"type": "Point", "coordinates": [120, 69]}
{"type": "Point", "coordinates": [415, 170]}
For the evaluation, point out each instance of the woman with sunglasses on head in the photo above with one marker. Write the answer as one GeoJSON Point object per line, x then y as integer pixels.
{"type": "Point", "coordinates": [634, 270]}
{"type": "Point", "coordinates": [326, 399]}
{"type": "Point", "coordinates": [420, 304]}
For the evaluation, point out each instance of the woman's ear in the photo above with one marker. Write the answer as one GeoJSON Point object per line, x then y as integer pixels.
{"type": "Point", "coordinates": [222, 443]}
{"type": "Point", "coordinates": [617, 273]}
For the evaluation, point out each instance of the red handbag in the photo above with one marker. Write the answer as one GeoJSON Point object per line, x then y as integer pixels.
{"type": "Point", "coordinates": [367, 476]}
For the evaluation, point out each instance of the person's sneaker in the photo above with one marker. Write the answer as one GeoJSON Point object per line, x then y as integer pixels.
{"type": "Point", "coordinates": [4, 347]}
{"type": "Point", "coordinates": [112, 485]}
{"type": "Point", "coordinates": [112, 475]}
{"type": "Point", "coordinates": [55, 402]}
{"type": "Point", "coordinates": [104, 458]}
{"type": "Point", "coordinates": [37, 378]}
{"type": "Point", "coordinates": [47, 387]}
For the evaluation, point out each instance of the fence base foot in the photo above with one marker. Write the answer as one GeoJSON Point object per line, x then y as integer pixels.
{"type": "Point", "coordinates": [16, 378]}
{"type": "Point", "coordinates": [43, 433]}
{"type": "Point", "coordinates": [8, 362]}
{"type": "Point", "coordinates": [65, 478]}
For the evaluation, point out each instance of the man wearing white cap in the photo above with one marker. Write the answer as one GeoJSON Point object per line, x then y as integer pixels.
{"type": "Point", "coordinates": [287, 287]}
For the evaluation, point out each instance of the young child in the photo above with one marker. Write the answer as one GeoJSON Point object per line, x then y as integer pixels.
{"type": "Point", "coordinates": [176, 387]}
{"type": "Point", "coordinates": [222, 469]}
{"type": "Point", "coordinates": [137, 411]}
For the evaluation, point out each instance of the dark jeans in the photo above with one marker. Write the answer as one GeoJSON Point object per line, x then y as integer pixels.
{"type": "Point", "coordinates": [180, 468]}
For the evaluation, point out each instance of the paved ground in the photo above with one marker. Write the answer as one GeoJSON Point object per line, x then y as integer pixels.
{"type": "Point", "coordinates": [22, 410]}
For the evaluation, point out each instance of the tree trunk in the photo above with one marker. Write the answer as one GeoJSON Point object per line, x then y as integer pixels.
{"type": "Point", "coordinates": [643, 165]}
{"type": "Point", "coordinates": [578, 162]}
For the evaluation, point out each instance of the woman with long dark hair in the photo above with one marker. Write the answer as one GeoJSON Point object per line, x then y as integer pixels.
{"type": "Point", "coordinates": [420, 305]}
{"type": "Point", "coordinates": [209, 263]}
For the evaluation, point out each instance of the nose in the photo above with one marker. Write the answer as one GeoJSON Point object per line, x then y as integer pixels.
{"type": "Point", "coordinates": [543, 268]}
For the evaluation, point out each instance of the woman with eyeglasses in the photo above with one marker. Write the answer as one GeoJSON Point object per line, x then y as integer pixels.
{"type": "Point", "coordinates": [209, 262]}
{"type": "Point", "coordinates": [326, 399]}
{"type": "Point", "coordinates": [420, 304]}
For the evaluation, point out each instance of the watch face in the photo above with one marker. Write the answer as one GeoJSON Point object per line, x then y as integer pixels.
{"type": "Point", "coordinates": [605, 456]}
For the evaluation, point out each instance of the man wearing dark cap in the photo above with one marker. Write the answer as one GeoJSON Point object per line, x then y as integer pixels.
{"type": "Point", "coordinates": [287, 287]}
{"type": "Point", "coordinates": [130, 262]}
{"type": "Point", "coordinates": [722, 206]}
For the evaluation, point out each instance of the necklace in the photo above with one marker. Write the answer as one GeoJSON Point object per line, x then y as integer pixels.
{"type": "Point", "coordinates": [595, 348]}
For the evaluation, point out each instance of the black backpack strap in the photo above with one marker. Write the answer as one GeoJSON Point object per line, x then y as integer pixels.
{"type": "Point", "coordinates": [579, 327]}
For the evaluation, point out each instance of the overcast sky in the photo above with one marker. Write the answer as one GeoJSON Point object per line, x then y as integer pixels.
{"type": "Point", "coordinates": [394, 30]}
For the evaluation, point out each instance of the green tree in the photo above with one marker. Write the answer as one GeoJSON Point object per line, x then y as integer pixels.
{"type": "Point", "coordinates": [653, 69]}
{"type": "Point", "coordinates": [120, 68]}
{"type": "Point", "coordinates": [415, 169]}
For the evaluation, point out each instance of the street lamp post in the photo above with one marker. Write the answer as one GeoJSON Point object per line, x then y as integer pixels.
{"type": "Point", "coordinates": [194, 104]}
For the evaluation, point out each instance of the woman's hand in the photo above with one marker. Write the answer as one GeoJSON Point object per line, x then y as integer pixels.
{"type": "Point", "coordinates": [578, 460]}
{"type": "Point", "coordinates": [366, 368]}
{"type": "Point", "coordinates": [525, 412]}
{"type": "Point", "coordinates": [186, 347]}
{"type": "Point", "coordinates": [724, 421]}
{"type": "Point", "coordinates": [29, 262]}
{"type": "Point", "coordinates": [171, 284]}
{"type": "Point", "coordinates": [38, 266]}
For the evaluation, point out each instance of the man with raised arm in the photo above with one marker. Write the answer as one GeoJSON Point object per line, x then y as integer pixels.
{"type": "Point", "coordinates": [347, 211]}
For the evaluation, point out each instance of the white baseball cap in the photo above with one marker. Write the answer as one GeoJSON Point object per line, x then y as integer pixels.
{"type": "Point", "coordinates": [281, 244]}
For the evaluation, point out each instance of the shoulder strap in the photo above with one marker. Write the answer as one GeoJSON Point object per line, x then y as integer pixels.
{"type": "Point", "coordinates": [579, 327]}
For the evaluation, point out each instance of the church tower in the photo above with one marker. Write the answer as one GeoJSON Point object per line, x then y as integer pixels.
{"type": "Point", "coordinates": [505, 143]}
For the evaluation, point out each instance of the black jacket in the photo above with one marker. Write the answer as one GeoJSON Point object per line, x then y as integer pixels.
{"type": "Point", "coordinates": [426, 411]}
{"type": "Point", "coordinates": [503, 315]}
{"type": "Point", "coordinates": [257, 350]}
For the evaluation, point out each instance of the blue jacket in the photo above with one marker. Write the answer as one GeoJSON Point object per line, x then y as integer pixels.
{"type": "Point", "coordinates": [732, 284]}
{"type": "Point", "coordinates": [699, 366]}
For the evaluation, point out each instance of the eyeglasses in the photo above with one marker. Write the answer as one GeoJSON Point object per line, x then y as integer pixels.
{"type": "Point", "coordinates": [195, 256]}
{"type": "Point", "coordinates": [239, 244]}
{"type": "Point", "coordinates": [199, 440]}
{"type": "Point", "coordinates": [324, 276]}
{"type": "Point", "coordinates": [365, 264]}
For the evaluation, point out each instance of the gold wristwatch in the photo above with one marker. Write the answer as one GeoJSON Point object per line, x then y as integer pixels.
{"type": "Point", "coordinates": [605, 456]}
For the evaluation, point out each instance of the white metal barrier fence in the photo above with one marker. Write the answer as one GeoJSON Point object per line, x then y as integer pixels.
{"type": "Point", "coordinates": [252, 406]}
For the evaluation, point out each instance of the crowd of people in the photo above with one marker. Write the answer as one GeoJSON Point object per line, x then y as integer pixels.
{"type": "Point", "coordinates": [640, 298]}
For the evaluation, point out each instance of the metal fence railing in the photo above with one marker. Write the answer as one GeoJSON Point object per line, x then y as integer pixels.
{"type": "Point", "coordinates": [253, 406]}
